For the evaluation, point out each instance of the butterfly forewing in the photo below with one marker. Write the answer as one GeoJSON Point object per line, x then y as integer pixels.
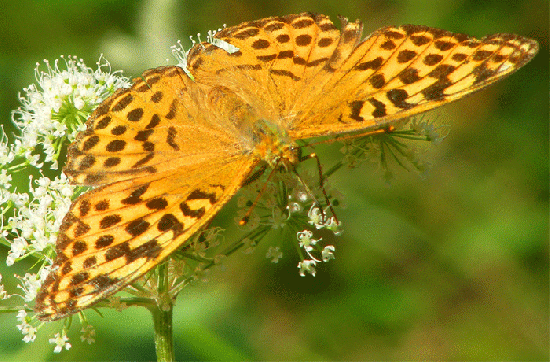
{"type": "Point", "coordinates": [149, 205]}
{"type": "Point", "coordinates": [276, 57]}
{"type": "Point", "coordinates": [411, 69]}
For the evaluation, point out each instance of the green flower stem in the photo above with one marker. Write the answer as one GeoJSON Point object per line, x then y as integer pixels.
{"type": "Point", "coordinates": [162, 318]}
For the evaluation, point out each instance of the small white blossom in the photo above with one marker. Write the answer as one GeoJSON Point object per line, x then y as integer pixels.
{"type": "Point", "coordinates": [294, 208]}
{"type": "Point", "coordinates": [18, 249]}
{"type": "Point", "coordinates": [303, 196]}
{"type": "Point", "coordinates": [306, 240]}
{"type": "Point", "coordinates": [45, 271]}
{"type": "Point", "coordinates": [88, 334]}
{"type": "Point", "coordinates": [316, 217]}
{"type": "Point", "coordinates": [333, 225]}
{"type": "Point", "coordinates": [274, 254]}
{"type": "Point", "coordinates": [30, 284]}
{"type": "Point", "coordinates": [5, 198]}
{"type": "Point", "coordinates": [22, 317]}
{"type": "Point", "coordinates": [307, 266]}
{"type": "Point", "coordinates": [6, 153]}
{"type": "Point", "coordinates": [61, 341]}
{"type": "Point", "coordinates": [3, 293]}
{"type": "Point", "coordinates": [5, 179]}
{"type": "Point", "coordinates": [328, 253]}
{"type": "Point", "coordinates": [29, 333]}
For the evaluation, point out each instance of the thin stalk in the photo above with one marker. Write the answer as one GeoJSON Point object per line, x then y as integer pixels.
{"type": "Point", "coordinates": [162, 318]}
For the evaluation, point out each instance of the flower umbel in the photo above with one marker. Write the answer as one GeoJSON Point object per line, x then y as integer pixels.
{"type": "Point", "coordinates": [25, 327]}
{"type": "Point", "coordinates": [288, 205]}
{"type": "Point", "coordinates": [56, 108]}
{"type": "Point", "coordinates": [53, 111]}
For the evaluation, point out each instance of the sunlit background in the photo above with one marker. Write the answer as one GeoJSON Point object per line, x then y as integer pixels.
{"type": "Point", "coordinates": [449, 266]}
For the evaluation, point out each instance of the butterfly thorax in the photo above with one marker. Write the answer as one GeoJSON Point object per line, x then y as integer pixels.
{"type": "Point", "coordinates": [273, 144]}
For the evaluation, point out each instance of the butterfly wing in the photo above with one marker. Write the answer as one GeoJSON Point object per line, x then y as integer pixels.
{"type": "Point", "coordinates": [301, 71]}
{"type": "Point", "coordinates": [276, 57]}
{"type": "Point", "coordinates": [401, 71]}
{"type": "Point", "coordinates": [164, 170]}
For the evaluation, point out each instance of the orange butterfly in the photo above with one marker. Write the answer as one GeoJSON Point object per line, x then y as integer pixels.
{"type": "Point", "coordinates": [170, 151]}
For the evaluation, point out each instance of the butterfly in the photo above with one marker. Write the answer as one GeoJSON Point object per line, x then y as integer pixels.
{"type": "Point", "coordinates": [166, 154]}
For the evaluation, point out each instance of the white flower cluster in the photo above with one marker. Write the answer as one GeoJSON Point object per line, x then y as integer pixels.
{"type": "Point", "coordinates": [268, 214]}
{"type": "Point", "coordinates": [55, 109]}
{"type": "Point", "coordinates": [37, 216]}
{"type": "Point", "coordinates": [25, 327]}
{"type": "Point", "coordinates": [306, 241]}
{"type": "Point", "coordinates": [52, 112]}
{"type": "Point", "coordinates": [309, 244]}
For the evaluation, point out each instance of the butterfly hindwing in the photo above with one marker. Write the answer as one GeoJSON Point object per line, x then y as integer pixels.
{"type": "Point", "coordinates": [116, 233]}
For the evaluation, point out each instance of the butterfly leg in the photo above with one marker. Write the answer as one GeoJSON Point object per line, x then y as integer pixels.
{"type": "Point", "coordinates": [253, 177]}
{"type": "Point", "coordinates": [259, 172]}
{"type": "Point", "coordinates": [321, 183]}
{"type": "Point", "coordinates": [348, 136]}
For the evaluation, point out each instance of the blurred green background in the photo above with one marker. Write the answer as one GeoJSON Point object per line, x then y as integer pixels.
{"type": "Point", "coordinates": [452, 266]}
